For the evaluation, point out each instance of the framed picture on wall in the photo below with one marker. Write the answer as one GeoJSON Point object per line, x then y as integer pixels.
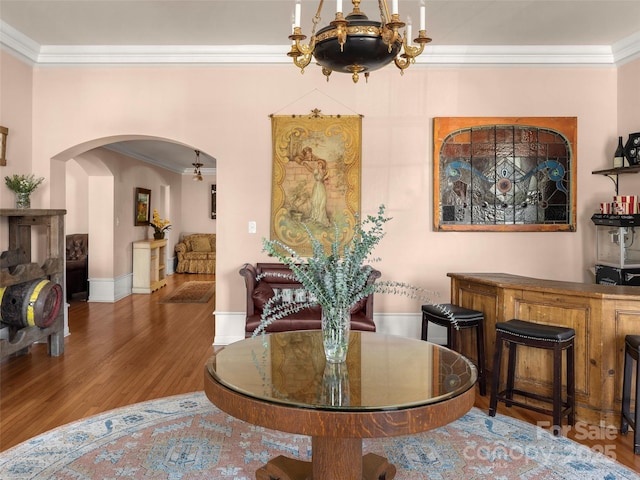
{"type": "Point", "coordinates": [4, 132]}
{"type": "Point", "coordinates": [213, 202]}
{"type": "Point", "coordinates": [505, 174]}
{"type": "Point", "coordinates": [316, 178]}
{"type": "Point", "coordinates": [142, 205]}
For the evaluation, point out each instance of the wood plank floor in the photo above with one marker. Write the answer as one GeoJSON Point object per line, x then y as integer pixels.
{"type": "Point", "coordinates": [139, 349]}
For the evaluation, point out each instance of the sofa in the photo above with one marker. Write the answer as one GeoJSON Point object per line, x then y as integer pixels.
{"type": "Point", "coordinates": [196, 253]}
{"type": "Point", "coordinates": [258, 293]}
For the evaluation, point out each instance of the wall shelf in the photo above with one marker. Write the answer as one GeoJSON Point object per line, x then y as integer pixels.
{"type": "Point", "coordinates": [613, 173]}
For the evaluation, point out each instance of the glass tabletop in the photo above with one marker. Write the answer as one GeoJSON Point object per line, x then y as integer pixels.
{"type": "Point", "coordinates": [382, 372]}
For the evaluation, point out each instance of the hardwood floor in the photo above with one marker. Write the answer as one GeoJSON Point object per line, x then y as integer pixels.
{"type": "Point", "coordinates": [138, 349]}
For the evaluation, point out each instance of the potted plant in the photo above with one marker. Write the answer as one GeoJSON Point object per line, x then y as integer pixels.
{"type": "Point", "coordinates": [23, 186]}
{"type": "Point", "coordinates": [336, 280]}
{"type": "Point", "coordinates": [159, 226]}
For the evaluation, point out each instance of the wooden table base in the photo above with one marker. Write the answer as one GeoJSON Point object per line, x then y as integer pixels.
{"type": "Point", "coordinates": [328, 464]}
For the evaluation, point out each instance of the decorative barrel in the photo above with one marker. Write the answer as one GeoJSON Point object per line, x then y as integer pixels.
{"type": "Point", "coordinates": [28, 304]}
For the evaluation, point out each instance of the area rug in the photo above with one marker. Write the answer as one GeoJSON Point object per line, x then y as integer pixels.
{"type": "Point", "coordinates": [191, 292]}
{"type": "Point", "coordinates": [186, 437]}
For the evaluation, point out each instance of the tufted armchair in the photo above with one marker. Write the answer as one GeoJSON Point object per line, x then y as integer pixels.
{"type": "Point", "coordinates": [273, 283]}
{"type": "Point", "coordinates": [197, 253]}
{"type": "Point", "coordinates": [77, 264]}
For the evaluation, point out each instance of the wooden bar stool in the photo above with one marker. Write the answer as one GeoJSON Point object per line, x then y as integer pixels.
{"type": "Point", "coordinates": [465, 318]}
{"type": "Point", "coordinates": [520, 332]}
{"type": "Point", "coordinates": [631, 350]}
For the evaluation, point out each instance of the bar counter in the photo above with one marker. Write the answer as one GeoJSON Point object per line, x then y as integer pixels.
{"type": "Point", "coordinates": [601, 315]}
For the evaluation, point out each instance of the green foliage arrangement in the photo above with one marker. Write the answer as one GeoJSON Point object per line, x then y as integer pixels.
{"type": "Point", "coordinates": [23, 183]}
{"type": "Point", "coordinates": [337, 279]}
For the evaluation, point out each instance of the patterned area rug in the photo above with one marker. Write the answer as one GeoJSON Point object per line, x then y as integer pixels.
{"type": "Point", "coordinates": [191, 292]}
{"type": "Point", "coordinates": [186, 437]}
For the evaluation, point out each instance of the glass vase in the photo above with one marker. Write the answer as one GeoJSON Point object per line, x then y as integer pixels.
{"type": "Point", "coordinates": [335, 385]}
{"type": "Point", "coordinates": [336, 323]}
{"type": "Point", "coordinates": [23, 200]}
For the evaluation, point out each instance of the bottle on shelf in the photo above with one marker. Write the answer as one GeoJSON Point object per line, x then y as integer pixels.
{"type": "Point", "coordinates": [618, 157]}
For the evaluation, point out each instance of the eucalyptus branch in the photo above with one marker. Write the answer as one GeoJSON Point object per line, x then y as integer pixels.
{"type": "Point", "coordinates": [337, 277]}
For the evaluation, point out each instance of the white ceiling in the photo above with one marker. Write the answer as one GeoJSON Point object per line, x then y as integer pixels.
{"type": "Point", "coordinates": [59, 32]}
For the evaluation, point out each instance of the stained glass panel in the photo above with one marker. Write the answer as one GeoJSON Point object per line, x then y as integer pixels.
{"type": "Point", "coordinates": [504, 174]}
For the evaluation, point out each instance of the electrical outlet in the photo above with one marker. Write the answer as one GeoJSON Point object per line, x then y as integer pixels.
{"type": "Point", "coordinates": [252, 227]}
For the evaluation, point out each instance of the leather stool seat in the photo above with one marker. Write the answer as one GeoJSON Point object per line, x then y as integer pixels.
{"type": "Point", "coordinates": [440, 314]}
{"type": "Point", "coordinates": [631, 354]}
{"type": "Point", "coordinates": [558, 339]}
{"type": "Point", "coordinates": [537, 331]}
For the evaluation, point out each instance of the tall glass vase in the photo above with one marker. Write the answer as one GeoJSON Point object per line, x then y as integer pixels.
{"type": "Point", "coordinates": [335, 385]}
{"type": "Point", "coordinates": [336, 323]}
{"type": "Point", "coordinates": [23, 200]}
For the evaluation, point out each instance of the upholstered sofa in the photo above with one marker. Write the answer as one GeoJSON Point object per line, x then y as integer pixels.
{"type": "Point", "coordinates": [272, 283]}
{"type": "Point", "coordinates": [197, 253]}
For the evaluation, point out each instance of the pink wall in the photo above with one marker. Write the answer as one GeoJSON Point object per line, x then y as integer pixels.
{"type": "Point", "coordinates": [224, 111]}
{"type": "Point", "coordinates": [195, 211]}
{"type": "Point", "coordinates": [16, 80]}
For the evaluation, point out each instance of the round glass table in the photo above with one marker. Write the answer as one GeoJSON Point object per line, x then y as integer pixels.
{"type": "Point", "coordinates": [388, 386]}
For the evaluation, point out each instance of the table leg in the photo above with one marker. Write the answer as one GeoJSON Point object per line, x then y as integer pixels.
{"type": "Point", "coordinates": [336, 458]}
{"type": "Point", "coordinates": [332, 458]}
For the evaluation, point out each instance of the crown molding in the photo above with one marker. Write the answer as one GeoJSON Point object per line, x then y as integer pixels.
{"type": "Point", "coordinates": [18, 43]}
{"type": "Point", "coordinates": [627, 49]}
{"type": "Point", "coordinates": [623, 51]}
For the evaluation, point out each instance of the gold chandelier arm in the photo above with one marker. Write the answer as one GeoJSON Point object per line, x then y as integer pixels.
{"type": "Point", "coordinates": [402, 63]}
{"type": "Point", "coordinates": [411, 51]}
{"type": "Point", "coordinates": [305, 49]}
{"type": "Point", "coordinates": [302, 61]}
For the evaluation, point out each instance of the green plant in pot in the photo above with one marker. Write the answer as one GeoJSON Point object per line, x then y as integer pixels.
{"type": "Point", "coordinates": [336, 279]}
{"type": "Point", "coordinates": [23, 186]}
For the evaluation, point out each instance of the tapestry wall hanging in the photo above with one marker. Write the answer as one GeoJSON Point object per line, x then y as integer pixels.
{"type": "Point", "coordinates": [315, 177]}
{"type": "Point", "coordinates": [504, 173]}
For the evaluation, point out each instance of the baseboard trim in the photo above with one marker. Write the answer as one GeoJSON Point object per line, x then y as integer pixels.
{"type": "Point", "coordinates": [229, 326]}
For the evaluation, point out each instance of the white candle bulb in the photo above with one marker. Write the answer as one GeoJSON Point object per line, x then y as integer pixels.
{"type": "Point", "coordinates": [409, 36]}
{"type": "Point", "coordinates": [422, 16]}
{"type": "Point", "coordinates": [297, 17]}
{"type": "Point", "coordinates": [394, 7]}
{"type": "Point", "coordinates": [338, 6]}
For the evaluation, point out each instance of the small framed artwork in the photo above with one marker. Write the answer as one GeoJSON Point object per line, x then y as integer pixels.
{"type": "Point", "coordinates": [213, 202]}
{"type": "Point", "coordinates": [142, 204]}
{"type": "Point", "coordinates": [4, 132]}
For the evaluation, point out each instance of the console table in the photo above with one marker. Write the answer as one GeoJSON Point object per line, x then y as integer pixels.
{"type": "Point", "coordinates": [601, 315]}
{"type": "Point", "coordinates": [388, 386]}
{"type": "Point", "coordinates": [149, 258]}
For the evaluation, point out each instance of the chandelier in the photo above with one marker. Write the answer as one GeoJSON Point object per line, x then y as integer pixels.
{"type": "Point", "coordinates": [354, 44]}
{"type": "Point", "coordinates": [197, 174]}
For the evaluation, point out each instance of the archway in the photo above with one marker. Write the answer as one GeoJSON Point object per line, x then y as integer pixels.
{"type": "Point", "coordinates": [104, 203]}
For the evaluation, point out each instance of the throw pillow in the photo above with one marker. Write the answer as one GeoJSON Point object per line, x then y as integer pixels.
{"type": "Point", "coordinates": [200, 244]}
{"type": "Point", "coordinates": [262, 294]}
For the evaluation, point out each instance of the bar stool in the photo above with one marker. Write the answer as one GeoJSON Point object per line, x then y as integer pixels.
{"type": "Point", "coordinates": [465, 318]}
{"type": "Point", "coordinates": [631, 350]}
{"type": "Point", "coordinates": [519, 332]}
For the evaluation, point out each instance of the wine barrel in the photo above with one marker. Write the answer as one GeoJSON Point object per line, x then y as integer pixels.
{"type": "Point", "coordinates": [28, 304]}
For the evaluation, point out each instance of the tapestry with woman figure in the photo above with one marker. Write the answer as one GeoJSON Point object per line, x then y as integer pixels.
{"type": "Point", "coordinates": [315, 178]}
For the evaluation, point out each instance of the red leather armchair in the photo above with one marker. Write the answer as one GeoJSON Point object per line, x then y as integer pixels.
{"type": "Point", "coordinates": [272, 283]}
